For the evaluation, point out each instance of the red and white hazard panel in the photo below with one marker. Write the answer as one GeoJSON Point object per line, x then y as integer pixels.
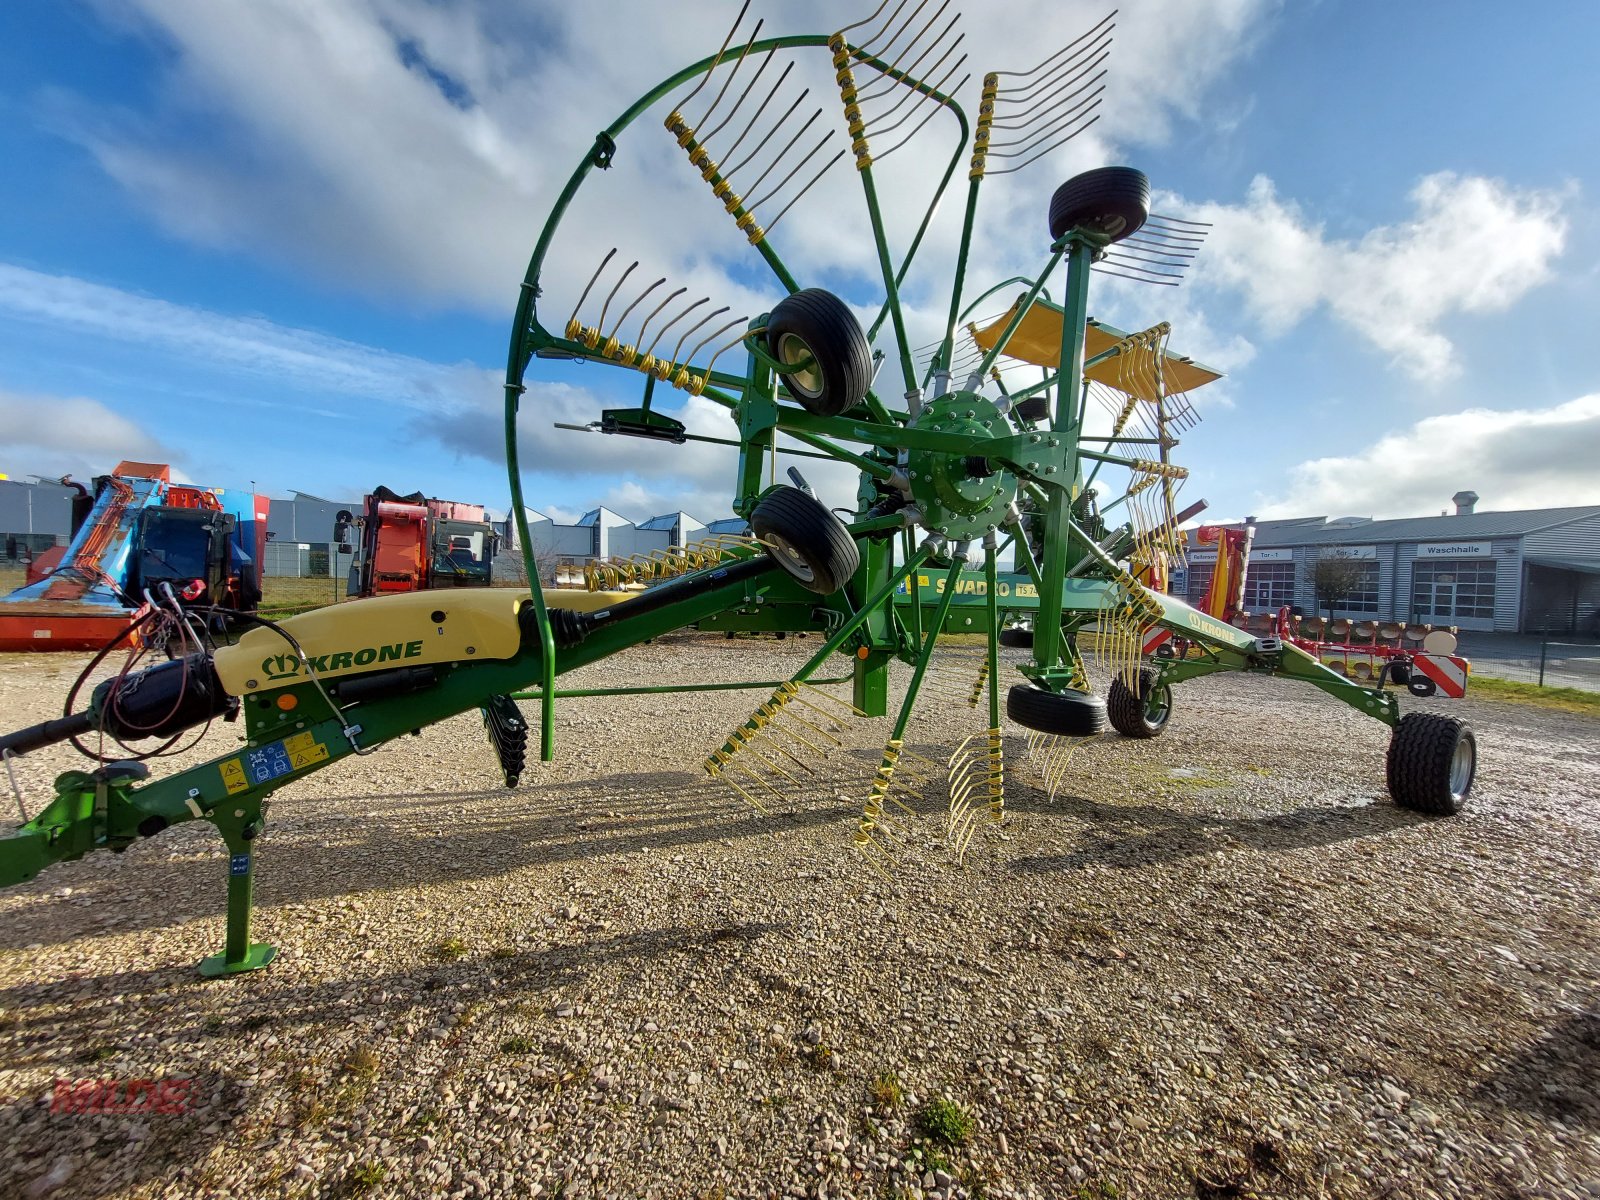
{"type": "Point", "coordinates": [1154, 637]}
{"type": "Point", "coordinates": [1447, 671]}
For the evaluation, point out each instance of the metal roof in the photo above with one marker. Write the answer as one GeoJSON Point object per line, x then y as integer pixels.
{"type": "Point", "coordinates": [1409, 529]}
{"type": "Point", "coordinates": [1569, 562]}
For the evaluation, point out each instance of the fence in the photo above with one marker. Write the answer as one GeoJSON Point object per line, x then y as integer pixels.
{"type": "Point", "coordinates": [1547, 664]}
{"type": "Point", "coordinates": [312, 560]}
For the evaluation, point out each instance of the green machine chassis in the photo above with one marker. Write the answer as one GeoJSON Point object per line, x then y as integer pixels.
{"type": "Point", "coordinates": [958, 464]}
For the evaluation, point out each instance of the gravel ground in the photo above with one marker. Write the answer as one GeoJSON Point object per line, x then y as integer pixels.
{"type": "Point", "coordinates": [1216, 964]}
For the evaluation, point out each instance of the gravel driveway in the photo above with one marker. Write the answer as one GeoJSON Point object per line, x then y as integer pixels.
{"type": "Point", "coordinates": [1216, 964]}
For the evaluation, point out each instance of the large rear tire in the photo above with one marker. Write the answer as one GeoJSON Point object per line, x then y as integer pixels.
{"type": "Point", "coordinates": [1432, 762]}
{"type": "Point", "coordinates": [1067, 714]}
{"type": "Point", "coordinates": [805, 539]}
{"type": "Point", "coordinates": [1141, 715]}
{"type": "Point", "coordinates": [815, 324]}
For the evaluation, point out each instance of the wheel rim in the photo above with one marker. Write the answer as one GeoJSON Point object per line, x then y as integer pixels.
{"type": "Point", "coordinates": [1158, 708]}
{"type": "Point", "coordinates": [789, 558]}
{"type": "Point", "coordinates": [1462, 762]}
{"type": "Point", "coordinates": [807, 382]}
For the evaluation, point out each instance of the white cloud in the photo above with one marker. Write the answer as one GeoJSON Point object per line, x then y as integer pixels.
{"type": "Point", "coordinates": [71, 435]}
{"type": "Point", "coordinates": [1516, 458]}
{"type": "Point", "coordinates": [306, 360]}
{"type": "Point", "coordinates": [411, 149]}
{"type": "Point", "coordinates": [1474, 245]}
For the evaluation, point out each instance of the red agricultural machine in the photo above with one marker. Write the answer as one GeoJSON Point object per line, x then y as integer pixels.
{"type": "Point", "coordinates": [412, 544]}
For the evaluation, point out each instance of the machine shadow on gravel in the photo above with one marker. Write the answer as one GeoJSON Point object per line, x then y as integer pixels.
{"type": "Point", "coordinates": [422, 991]}
{"type": "Point", "coordinates": [312, 854]}
{"type": "Point", "coordinates": [1130, 836]}
{"type": "Point", "coordinates": [1554, 1077]}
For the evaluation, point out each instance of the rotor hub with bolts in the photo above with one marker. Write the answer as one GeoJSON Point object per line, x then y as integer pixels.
{"type": "Point", "coordinates": [960, 495]}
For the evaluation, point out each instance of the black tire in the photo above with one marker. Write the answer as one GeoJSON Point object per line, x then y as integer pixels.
{"type": "Point", "coordinates": [1432, 762]}
{"type": "Point", "coordinates": [1139, 716]}
{"type": "Point", "coordinates": [1113, 201]}
{"type": "Point", "coordinates": [817, 324]}
{"type": "Point", "coordinates": [805, 539]}
{"type": "Point", "coordinates": [1069, 714]}
{"type": "Point", "coordinates": [1420, 685]}
{"type": "Point", "coordinates": [1018, 637]}
{"type": "Point", "coordinates": [1034, 408]}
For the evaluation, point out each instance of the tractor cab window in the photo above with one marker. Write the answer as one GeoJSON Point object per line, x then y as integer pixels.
{"type": "Point", "coordinates": [179, 545]}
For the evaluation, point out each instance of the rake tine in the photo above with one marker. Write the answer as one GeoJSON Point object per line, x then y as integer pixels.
{"type": "Point", "coordinates": [1048, 149]}
{"type": "Point", "coordinates": [778, 157]}
{"type": "Point", "coordinates": [645, 324]}
{"type": "Point", "coordinates": [706, 116]}
{"type": "Point", "coordinates": [912, 69]}
{"type": "Point", "coordinates": [588, 287]}
{"type": "Point", "coordinates": [892, 16]}
{"type": "Point", "coordinates": [703, 320]}
{"type": "Point", "coordinates": [782, 183]}
{"type": "Point", "coordinates": [1082, 37]}
{"type": "Point", "coordinates": [607, 306]}
{"type": "Point", "coordinates": [716, 334]}
{"type": "Point", "coordinates": [1056, 87]}
{"type": "Point", "coordinates": [931, 113]}
{"type": "Point", "coordinates": [662, 331]}
{"type": "Point", "coordinates": [635, 305]}
{"type": "Point", "coordinates": [717, 62]}
{"type": "Point", "coordinates": [889, 45]}
{"type": "Point", "coordinates": [1039, 109]}
{"type": "Point", "coordinates": [706, 135]}
{"type": "Point", "coordinates": [776, 88]}
{"type": "Point", "coordinates": [761, 145]}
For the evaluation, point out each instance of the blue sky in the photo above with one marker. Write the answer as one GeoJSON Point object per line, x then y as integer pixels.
{"type": "Point", "coordinates": [281, 243]}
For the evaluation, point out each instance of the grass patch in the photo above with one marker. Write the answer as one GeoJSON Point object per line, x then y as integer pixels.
{"type": "Point", "coordinates": [886, 1090]}
{"type": "Point", "coordinates": [943, 1120]}
{"type": "Point", "coordinates": [1516, 692]}
{"type": "Point", "coordinates": [519, 1043]}
{"type": "Point", "coordinates": [362, 1060]}
{"type": "Point", "coordinates": [451, 949]}
{"type": "Point", "coordinates": [363, 1178]}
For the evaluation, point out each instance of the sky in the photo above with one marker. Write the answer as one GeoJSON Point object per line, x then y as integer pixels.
{"type": "Point", "coordinates": [280, 243]}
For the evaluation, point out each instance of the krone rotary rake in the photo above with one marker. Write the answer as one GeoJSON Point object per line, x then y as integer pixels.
{"type": "Point", "coordinates": [1023, 428]}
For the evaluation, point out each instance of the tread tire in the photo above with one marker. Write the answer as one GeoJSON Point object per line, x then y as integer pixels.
{"type": "Point", "coordinates": [1067, 714]}
{"type": "Point", "coordinates": [1421, 759]}
{"type": "Point", "coordinates": [1129, 714]}
{"type": "Point", "coordinates": [1114, 201]}
{"type": "Point", "coordinates": [821, 323]}
{"type": "Point", "coordinates": [812, 545]}
{"type": "Point", "coordinates": [1021, 639]}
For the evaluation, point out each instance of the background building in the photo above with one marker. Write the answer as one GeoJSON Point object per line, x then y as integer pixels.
{"type": "Point", "coordinates": [1527, 571]}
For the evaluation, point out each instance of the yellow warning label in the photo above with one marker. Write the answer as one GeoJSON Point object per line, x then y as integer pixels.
{"type": "Point", "coordinates": [305, 755]}
{"type": "Point", "coordinates": [233, 776]}
{"type": "Point", "coordinates": [298, 742]}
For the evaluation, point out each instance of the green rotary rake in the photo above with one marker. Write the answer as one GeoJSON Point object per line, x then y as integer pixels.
{"type": "Point", "coordinates": [1032, 431]}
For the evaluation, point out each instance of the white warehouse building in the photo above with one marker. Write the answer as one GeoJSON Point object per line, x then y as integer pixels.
{"type": "Point", "coordinates": [1526, 571]}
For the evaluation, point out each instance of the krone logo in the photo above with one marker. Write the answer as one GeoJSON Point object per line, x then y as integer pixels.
{"type": "Point", "coordinates": [280, 666]}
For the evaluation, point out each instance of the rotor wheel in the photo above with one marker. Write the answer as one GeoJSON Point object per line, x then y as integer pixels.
{"type": "Point", "coordinates": [816, 326]}
{"type": "Point", "coordinates": [811, 544]}
{"type": "Point", "coordinates": [1432, 762]}
{"type": "Point", "coordinates": [1111, 201]}
{"type": "Point", "coordinates": [1067, 714]}
{"type": "Point", "coordinates": [1141, 711]}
